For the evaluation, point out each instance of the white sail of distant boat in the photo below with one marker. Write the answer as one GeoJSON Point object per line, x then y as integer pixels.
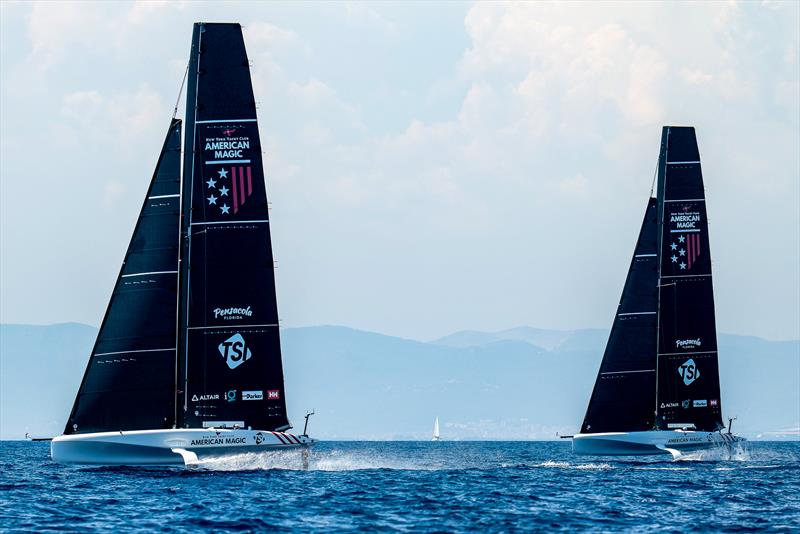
{"type": "Point", "coordinates": [435, 430]}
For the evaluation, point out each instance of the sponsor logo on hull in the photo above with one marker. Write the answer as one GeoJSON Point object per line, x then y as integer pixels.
{"type": "Point", "coordinates": [699, 403]}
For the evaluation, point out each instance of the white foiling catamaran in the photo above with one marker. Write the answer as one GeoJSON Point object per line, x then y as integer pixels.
{"type": "Point", "coordinates": [187, 363]}
{"type": "Point", "coordinates": [658, 390]}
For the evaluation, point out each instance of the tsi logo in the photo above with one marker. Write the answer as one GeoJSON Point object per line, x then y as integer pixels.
{"type": "Point", "coordinates": [252, 395]}
{"type": "Point", "coordinates": [689, 372]}
{"type": "Point", "coordinates": [234, 351]}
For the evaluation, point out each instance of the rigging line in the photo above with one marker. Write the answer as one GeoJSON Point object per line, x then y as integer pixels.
{"type": "Point", "coordinates": [655, 173]}
{"type": "Point", "coordinates": [180, 91]}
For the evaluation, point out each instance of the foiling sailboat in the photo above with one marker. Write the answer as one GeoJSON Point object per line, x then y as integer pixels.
{"type": "Point", "coordinates": [187, 362]}
{"type": "Point", "coordinates": [658, 389]}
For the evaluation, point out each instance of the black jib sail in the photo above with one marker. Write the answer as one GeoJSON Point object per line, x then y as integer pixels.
{"type": "Point", "coordinates": [229, 359]}
{"type": "Point", "coordinates": [130, 379]}
{"type": "Point", "coordinates": [625, 389]}
{"type": "Point", "coordinates": [688, 392]}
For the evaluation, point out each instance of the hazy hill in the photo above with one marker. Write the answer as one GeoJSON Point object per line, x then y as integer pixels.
{"type": "Point", "coordinates": [523, 383]}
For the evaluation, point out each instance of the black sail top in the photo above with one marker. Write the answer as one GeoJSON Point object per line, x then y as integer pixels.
{"type": "Point", "coordinates": [229, 363]}
{"type": "Point", "coordinates": [129, 381]}
{"type": "Point", "coordinates": [688, 392]}
{"type": "Point", "coordinates": [624, 391]}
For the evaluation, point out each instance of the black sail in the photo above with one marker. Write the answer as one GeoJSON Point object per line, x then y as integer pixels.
{"type": "Point", "coordinates": [230, 370]}
{"type": "Point", "coordinates": [624, 392]}
{"type": "Point", "coordinates": [688, 391]}
{"type": "Point", "coordinates": [130, 379]}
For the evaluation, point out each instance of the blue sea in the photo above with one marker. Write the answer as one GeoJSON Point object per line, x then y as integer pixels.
{"type": "Point", "coordinates": [410, 486]}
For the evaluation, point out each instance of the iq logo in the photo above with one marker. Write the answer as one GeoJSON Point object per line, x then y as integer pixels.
{"type": "Point", "coordinates": [689, 372]}
{"type": "Point", "coordinates": [230, 395]}
{"type": "Point", "coordinates": [234, 351]}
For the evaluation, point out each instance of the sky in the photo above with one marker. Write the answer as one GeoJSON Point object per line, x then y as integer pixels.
{"type": "Point", "coordinates": [432, 167]}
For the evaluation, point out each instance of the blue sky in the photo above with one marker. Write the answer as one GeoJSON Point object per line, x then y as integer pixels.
{"type": "Point", "coordinates": [432, 166]}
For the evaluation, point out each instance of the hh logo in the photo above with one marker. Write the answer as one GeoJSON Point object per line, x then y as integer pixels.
{"type": "Point", "coordinates": [689, 372]}
{"type": "Point", "coordinates": [234, 351]}
{"type": "Point", "coordinates": [273, 394]}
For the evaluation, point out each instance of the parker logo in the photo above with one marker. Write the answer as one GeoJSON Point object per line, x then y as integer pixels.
{"type": "Point", "coordinates": [198, 398]}
{"type": "Point", "coordinates": [229, 314]}
{"type": "Point", "coordinates": [689, 372]}
{"type": "Point", "coordinates": [687, 343]}
{"type": "Point", "coordinates": [699, 403]}
{"type": "Point", "coordinates": [252, 395]}
{"type": "Point", "coordinates": [274, 394]}
{"type": "Point", "coordinates": [234, 351]}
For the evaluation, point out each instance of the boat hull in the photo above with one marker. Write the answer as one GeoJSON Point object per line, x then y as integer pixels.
{"type": "Point", "coordinates": [167, 447]}
{"type": "Point", "coordinates": [650, 442]}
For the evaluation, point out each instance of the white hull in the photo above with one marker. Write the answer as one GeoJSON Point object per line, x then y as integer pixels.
{"type": "Point", "coordinates": [674, 442]}
{"type": "Point", "coordinates": [167, 447]}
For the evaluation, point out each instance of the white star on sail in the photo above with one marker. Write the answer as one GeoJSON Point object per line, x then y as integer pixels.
{"type": "Point", "coordinates": [681, 238]}
{"type": "Point", "coordinates": [211, 182]}
{"type": "Point", "coordinates": [223, 173]}
{"type": "Point", "coordinates": [224, 208]}
{"type": "Point", "coordinates": [212, 200]}
{"type": "Point", "coordinates": [674, 259]}
{"type": "Point", "coordinates": [682, 252]}
{"type": "Point", "coordinates": [673, 246]}
{"type": "Point", "coordinates": [683, 265]}
{"type": "Point", "coordinates": [223, 191]}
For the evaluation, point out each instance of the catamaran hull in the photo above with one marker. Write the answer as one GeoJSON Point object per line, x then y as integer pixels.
{"type": "Point", "coordinates": [168, 447]}
{"type": "Point", "coordinates": [672, 442]}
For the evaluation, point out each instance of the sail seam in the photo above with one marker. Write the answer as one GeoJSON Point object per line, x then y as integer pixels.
{"type": "Point", "coordinates": [626, 372]}
{"type": "Point", "coordinates": [210, 121]}
{"type": "Point", "coordinates": [684, 353]}
{"type": "Point", "coordinates": [145, 274]}
{"type": "Point", "coordinates": [229, 222]}
{"type": "Point", "coordinates": [645, 255]}
{"type": "Point", "coordinates": [638, 313]}
{"type": "Point", "coordinates": [688, 276]}
{"type": "Point", "coordinates": [226, 161]}
{"type": "Point", "coordinates": [132, 351]}
{"type": "Point", "coordinates": [234, 327]}
{"type": "Point", "coordinates": [682, 162]}
{"type": "Point", "coordinates": [164, 196]}
{"type": "Point", "coordinates": [687, 200]}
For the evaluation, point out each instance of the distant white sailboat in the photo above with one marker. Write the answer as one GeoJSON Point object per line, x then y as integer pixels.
{"type": "Point", "coordinates": [435, 430]}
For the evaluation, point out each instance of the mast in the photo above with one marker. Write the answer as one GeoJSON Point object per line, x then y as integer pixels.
{"type": "Point", "coordinates": [229, 366]}
{"type": "Point", "coordinates": [624, 389]}
{"type": "Point", "coordinates": [129, 380]}
{"type": "Point", "coordinates": [687, 383]}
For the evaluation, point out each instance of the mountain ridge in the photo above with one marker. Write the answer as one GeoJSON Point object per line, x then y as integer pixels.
{"type": "Point", "coordinates": [368, 385]}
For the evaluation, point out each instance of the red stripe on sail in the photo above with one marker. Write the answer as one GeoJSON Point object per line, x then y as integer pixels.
{"type": "Point", "coordinates": [690, 246]}
{"type": "Point", "coordinates": [241, 186]}
{"type": "Point", "coordinates": [233, 184]}
{"type": "Point", "coordinates": [249, 182]}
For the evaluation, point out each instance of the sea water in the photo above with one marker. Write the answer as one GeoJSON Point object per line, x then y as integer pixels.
{"type": "Point", "coordinates": [410, 486]}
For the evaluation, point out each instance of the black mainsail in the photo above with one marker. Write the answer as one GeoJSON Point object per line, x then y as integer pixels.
{"type": "Point", "coordinates": [624, 391]}
{"type": "Point", "coordinates": [659, 370]}
{"type": "Point", "coordinates": [129, 381]}
{"type": "Point", "coordinates": [688, 392]}
{"type": "Point", "coordinates": [229, 358]}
